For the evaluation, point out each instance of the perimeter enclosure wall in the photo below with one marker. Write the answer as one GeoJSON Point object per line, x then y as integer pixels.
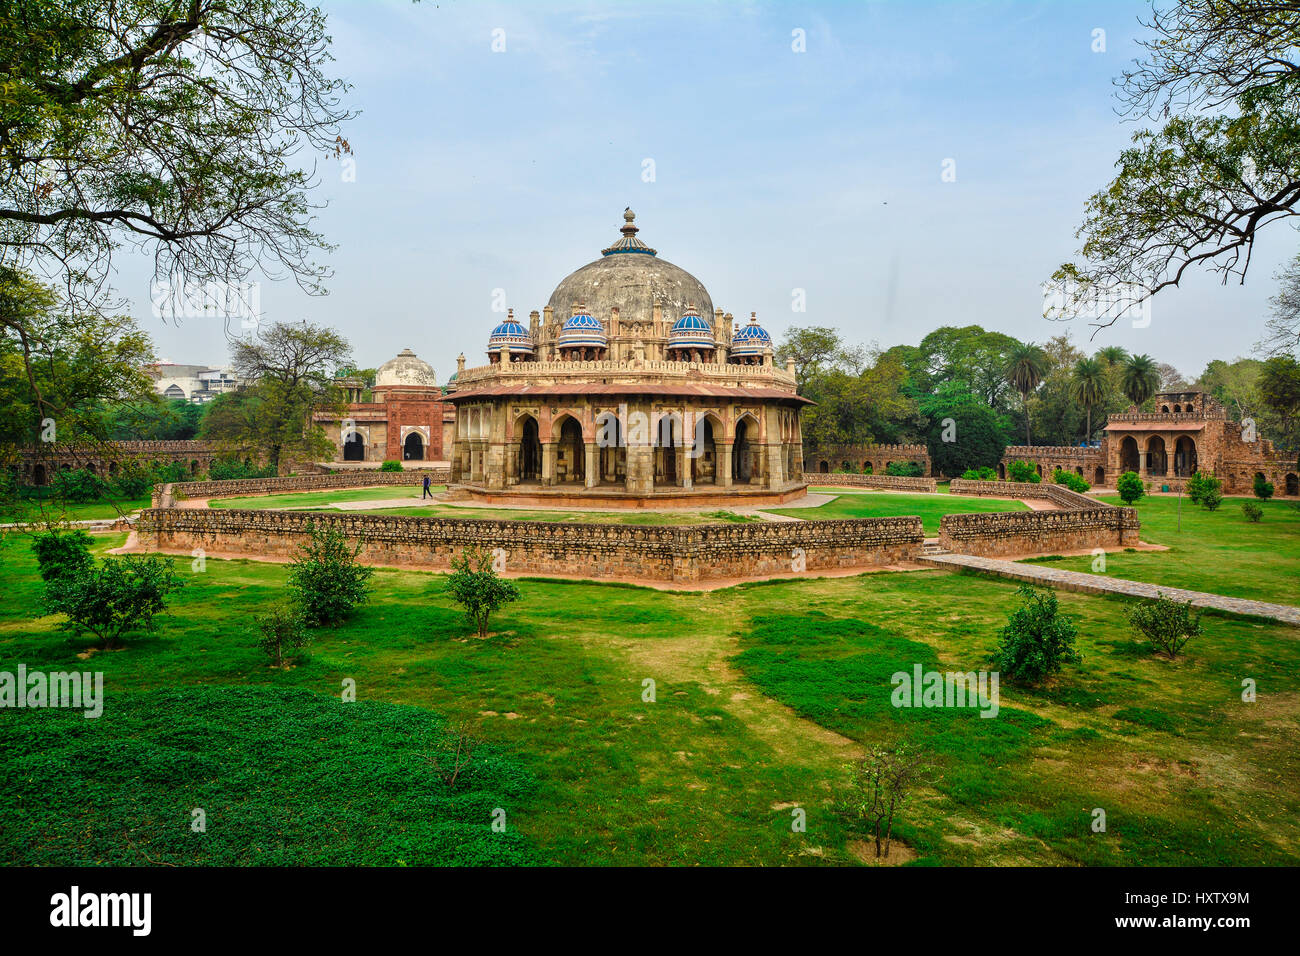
{"type": "Point", "coordinates": [1079, 523]}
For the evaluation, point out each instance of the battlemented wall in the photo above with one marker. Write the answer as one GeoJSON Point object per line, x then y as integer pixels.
{"type": "Point", "coordinates": [1079, 523]}
{"type": "Point", "coordinates": [825, 459]}
{"type": "Point", "coordinates": [678, 554]}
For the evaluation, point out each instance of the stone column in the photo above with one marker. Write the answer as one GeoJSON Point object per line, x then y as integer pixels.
{"type": "Point", "coordinates": [640, 469]}
{"type": "Point", "coordinates": [723, 474]}
{"type": "Point", "coordinates": [593, 464]}
{"type": "Point", "coordinates": [775, 467]}
{"type": "Point", "coordinates": [548, 462]}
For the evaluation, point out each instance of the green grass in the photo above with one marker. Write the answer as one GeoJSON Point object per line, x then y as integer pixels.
{"type": "Point", "coordinates": [315, 499]}
{"type": "Point", "coordinates": [931, 508]}
{"type": "Point", "coordinates": [36, 509]}
{"type": "Point", "coordinates": [1217, 551]}
{"type": "Point", "coordinates": [764, 693]}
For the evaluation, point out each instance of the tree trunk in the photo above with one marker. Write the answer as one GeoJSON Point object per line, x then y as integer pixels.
{"type": "Point", "coordinates": [1024, 402]}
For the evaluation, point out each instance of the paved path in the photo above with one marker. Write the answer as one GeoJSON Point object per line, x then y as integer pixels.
{"type": "Point", "coordinates": [1100, 584]}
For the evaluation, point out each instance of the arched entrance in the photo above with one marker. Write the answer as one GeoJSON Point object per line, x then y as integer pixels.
{"type": "Point", "coordinates": [1099, 476]}
{"type": "Point", "coordinates": [866, 468]}
{"type": "Point", "coordinates": [38, 475]}
{"type": "Point", "coordinates": [1184, 457]}
{"type": "Point", "coordinates": [354, 447]}
{"type": "Point", "coordinates": [1129, 459]}
{"type": "Point", "coordinates": [742, 467]}
{"type": "Point", "coordinates": [704, 460]}
{"type": "Point", "coordinates": [1157, 460]}
{"type": "Point", "coordinates": [1292, 484]}
{"type": "Point", "coordinates": [413, 447]}
{"type": "Point", "coordinates": [668, 439]}
{"type": "Point", "coordinates": [570, 464]}
{"type": "Point", "coordinates": [822, 466]}
{"type": "Point", "coordinates": [611, 449]}
{"type": "Point", "coordinates": [529, 461]}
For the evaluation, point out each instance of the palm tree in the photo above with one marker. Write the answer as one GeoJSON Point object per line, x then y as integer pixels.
{"type": "Point", "coordinates": [1026, 367]}
{"type": "Point", "coordinates": [1140, 379]}
{"type": "Point", "coordinates": [1088, 387]}
{"type": "Point", "coordinates": [1112, 355]}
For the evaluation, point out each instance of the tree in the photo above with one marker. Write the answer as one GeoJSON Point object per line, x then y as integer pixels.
{"type": "Point", "coordinates": [325, 579]}
{"type": "Point", "coordinates": [1025, 368]}
{"type": "Point", "coordinates": [1263, 488]}
{"type": "Point", "coordinates": [282, 629]}
{"type": "Point", "coordinates": [62, 553]}
{"type": "Point", "coordinates": [1130, 488]}
{"type": "Point", "coordinates": [814, 350]}
{"type": "Point", "coordinates": [1088, 387]}
{"type": "Point", "coordinates": [1055, 415]}
{"type": "Point", "coordinates": [114, 596]}
{"type": "Point", "coordinates": [1023, 471]}
{"type": "Point", "coordinates": [1283, 325]}
{"type": "Point", "coordinates": [1226, 164]}
{"type": "Point", "coordinates": [475, 586]}
{"type": "Point", "coordinates": [290, 368]}
{"type": "Point", "coordinates": [970, 354]}
{"type": "Point", "coordinates": [1167, 624]}
{"type": "Point", "coordinates": [173, 126]}
{"type": "Point", "coordinates": [978, 433]}
{"type": "Point", "coordinates": [1279, 389]}
{"type": "Point", "coordinates": [1201, 484]}
{"type": "Point", "coordinates": [1112, 355]}
{"type": "Point", "coordinates": [1037, 641]}
{"type": "Point", "coordinates": [1141, 378]}
{"type": "Point", "coordinates": [882, 780]}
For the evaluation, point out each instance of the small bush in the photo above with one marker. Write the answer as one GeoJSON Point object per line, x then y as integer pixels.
{"type": "Point", "coordinates": [282, 629]}
{"type": "Point", "coordinates": [1037, 641]}
{"type": "Point", "coordinates": [1211, 499]}
{"type": "Point", "coordinates": [1199, 484]}
{"type": "Point", "coordinates": [228, 469]}
{"type": "Point", "coordinates": [1263, 489]}
{"type": "Point", "coordinates": [1023, 471]}
{"type": "Point", "coordinates": [982, 473]}
{"type": "Point", "coordinates": [1130, 487]}
{"type": "Point", "coordinates": [325, 579]}
{"type": "Point", "coordinates": [391, 466]}
{"type": "Point", "coordinates": [113, 597]}
{"type": "Point", "coordinates": [475, 586]}
{"type": "Point", "coordinates": [77, 485]}
{"type": "Point", "coordinates": [132, 480]}
{"type": "Point", "coordinates": [61, 553]}
{"type": "Point", "coordinates": [1070, 480]}
{"type": "Point", "coordinates": [1167, 624]}
{"type": "Point", "coordinates": [1252, 511]}
{"type": "Point", "coordinates": [904, 469]}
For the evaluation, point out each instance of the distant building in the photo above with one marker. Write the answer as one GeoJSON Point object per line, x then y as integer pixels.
{"type": "Point", "coordinates": [192, 383]}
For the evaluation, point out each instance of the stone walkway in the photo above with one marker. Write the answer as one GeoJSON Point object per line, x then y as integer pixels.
{"type": "Point", "coordinates": [1100, 584]}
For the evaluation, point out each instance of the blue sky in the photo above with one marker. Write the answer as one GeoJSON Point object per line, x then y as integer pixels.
{"type": "Point", "coordinates": [774, 170]}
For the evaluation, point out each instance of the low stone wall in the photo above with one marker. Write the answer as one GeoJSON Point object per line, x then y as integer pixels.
{"type": "Point", "coordinates": [891, 482]}
{"type": "Point", "coordinates": [681, 554]}
{"type": "Point", "coordinates": [240, 487]}
{"type": "Point", "coordinates": [1081, 523]}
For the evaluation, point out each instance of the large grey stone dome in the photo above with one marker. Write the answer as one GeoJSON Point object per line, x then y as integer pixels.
{"type": "Point", "coordinates": [405, 369]}
{"type": "Point", "coordinates": [631, 276]}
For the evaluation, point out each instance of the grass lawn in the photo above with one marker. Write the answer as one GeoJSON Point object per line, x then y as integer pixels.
{"type": "Point", "coordinates": [880, 504]}
{"type": "Point", "coordinates": [37, 510]}
{"type": "Point", "coordinates": [1218, 551]}
{"type": "Point", "coordinates": [580, 517]}
{"type": "Point", "coordinates": [316, 499]}
{"type": "Point", "coordinates": [763, 693]}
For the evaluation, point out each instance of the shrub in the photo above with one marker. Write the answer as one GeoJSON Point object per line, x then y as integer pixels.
{"type": "Point", "coordinates": [1070, 480]}
{"type": "Point", "coordinates": [282, 629]}
{"type": "Point", "coordinates": [1167, 624]}
{"type": "Point", "coordinates": [325, 579]}
{"type": "Point", "coordinates": [1211, 499]}
{"type": "Point", "coordinates": [1252, 511]}
{"type": "Point", "coordinates": [1037, 640]}
{"type": "Point", "coordinates": [1199, 484]}
{"type": "Point", "coordinates": [1130, 487]}
{"type": "Point", "coordinates": [1023, 471]}
{"type": "Point", "coordinates": [61, 553]}
{"type": "Point", "coordinates": [77, 485]}
{"type": "Point", "coordinates": [475, 586]}
{"type": "Point", "coordinates": [171, 471]}
{"type": "Point", "coordinates": [114, 596]}
{"type": "Point", "coordinates": [882, 780]}
{"type": "Point", "coordinates": [391, 466]}
{"type": "Point", "coordinates": [1263, 489]}
{"type": "Point", "coordinates": [980, 474]}
{"type": "Point", "coordinates": [904, 469]}
{"type": "Point", "coordinates": [132, 480]}
{"type": "Point", "coordinates": [228, 469]}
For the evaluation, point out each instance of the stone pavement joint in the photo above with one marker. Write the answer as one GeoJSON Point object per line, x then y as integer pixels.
{"type": "Point", "coordinates": [1100, 584]}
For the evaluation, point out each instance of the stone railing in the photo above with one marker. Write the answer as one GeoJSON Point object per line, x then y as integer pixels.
{"type": "Point", "coordinates": [1135, 418]}
{"type": "Point", "coordinates": [1051, 451]}
{"type": "Point", "coordinates": [680, 554]}
{"type": "Point", "coordinates": [892, 482]}
{"type": "Point", "coordinates": [1078, 523]}
{"type": "Point", "coordinates": [759, 373]}
{"type": "Point", "coordinates": [241, 487]}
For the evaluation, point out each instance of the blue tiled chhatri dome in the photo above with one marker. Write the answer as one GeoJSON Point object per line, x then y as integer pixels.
{"type": "Point", "coordinates": [691, 331]}
{"type": "Point", "coordinates": [751, 340]}
{"type": "Point", "coordinates": [511, 333]}
{"type": "Point", "coordinates": [582, 330]}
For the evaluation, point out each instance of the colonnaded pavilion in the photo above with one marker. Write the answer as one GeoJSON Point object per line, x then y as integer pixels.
{"type": "Point", "coordinates": [629, 389]}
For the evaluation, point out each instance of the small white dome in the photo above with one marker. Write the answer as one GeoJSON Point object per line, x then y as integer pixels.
{"type": "Point", "coordinates": [405, 369]}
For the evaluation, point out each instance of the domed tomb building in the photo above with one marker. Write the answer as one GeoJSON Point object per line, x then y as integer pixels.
{"type": "Point", "coordinates": [629, 389]}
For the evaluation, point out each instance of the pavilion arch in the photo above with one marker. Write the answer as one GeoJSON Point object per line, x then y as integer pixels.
{"type": "Point", "coordinates": [744, 468]}
{"type": "Point", "coordinates": [611, 449]}
{"type": "Point", "coordinates": [354, 446]}
{"type": "Point", "coordinates": [1157, 457]}
{"type": "Point", "coordinates": [1099, 476]}
{"type": "Point", "coordinates": [413, 447]}
{"type": "Point", "coordinates": [528, 448]}
{"type": "Point", "coordinates": [1130, 458]}
{"type": "Point", "coordinates": [1177, 409]}
{"type": "Point", "coordinates": [1164, 409]}
{"type": "Point", "coordinates": [570, 451]}
{"type": "Point", "coordinates": [1002, 471]}
{"type": "Point", "coordinates": [702, 462]}
{"type": "Point", "coordinates": [669, 448]}
{"type": "Point", "coordinates": [1184, 456]}
{"type": "Point", "coordinates": [823, 467]}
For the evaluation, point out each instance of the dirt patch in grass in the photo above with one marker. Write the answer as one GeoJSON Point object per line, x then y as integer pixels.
{"type": "Point", "coordinates": [864, 851]}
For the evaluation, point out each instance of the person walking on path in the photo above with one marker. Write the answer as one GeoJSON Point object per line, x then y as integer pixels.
{"type": "Point", "coordinates": [427, 493]}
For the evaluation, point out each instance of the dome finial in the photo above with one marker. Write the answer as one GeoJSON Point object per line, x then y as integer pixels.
{"type": "Point", "coordinates": [629, 242]}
